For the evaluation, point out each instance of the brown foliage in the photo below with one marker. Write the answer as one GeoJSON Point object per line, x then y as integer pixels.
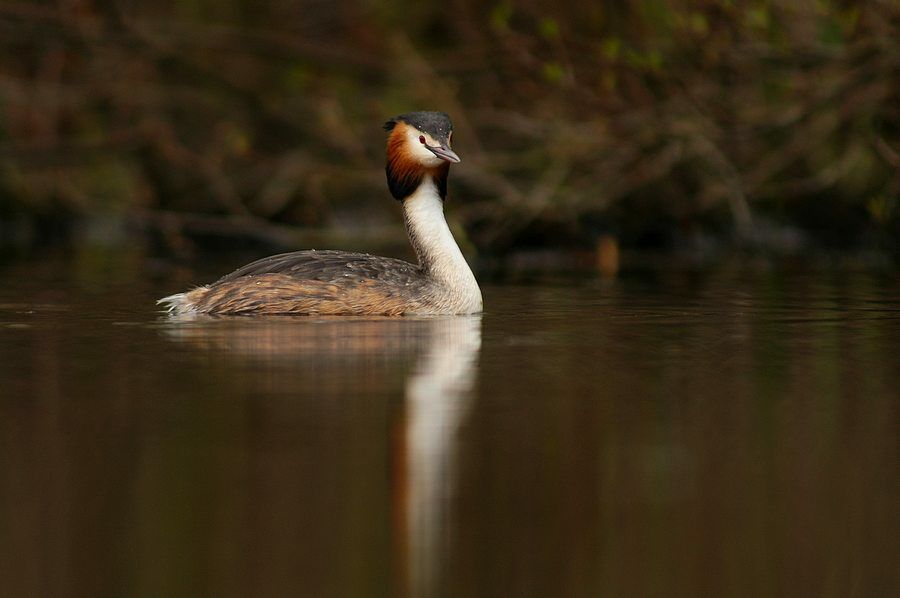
{"type": "Point", "coordinates": [672, 111]}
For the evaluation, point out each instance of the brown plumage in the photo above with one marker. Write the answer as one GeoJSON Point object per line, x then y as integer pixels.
{"type": "Point", "coordinates": [316, 283]}
{"type": "Point", "coordinates": [344, 283]}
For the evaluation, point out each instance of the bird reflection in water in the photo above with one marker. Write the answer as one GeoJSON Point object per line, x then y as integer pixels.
{"type": "Point", "coordinates": [437, 391]}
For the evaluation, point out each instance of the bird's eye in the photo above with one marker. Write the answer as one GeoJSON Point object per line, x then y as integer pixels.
{"type": "Point", "coordinates": [422, 139]}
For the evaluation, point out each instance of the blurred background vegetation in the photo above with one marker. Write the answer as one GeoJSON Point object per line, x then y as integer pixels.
{"type": "Point", "coordinates": [663, 124]}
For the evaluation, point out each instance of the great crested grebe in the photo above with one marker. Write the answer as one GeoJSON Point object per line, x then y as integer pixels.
{"type": "Point", "coordinates": [344, 283]}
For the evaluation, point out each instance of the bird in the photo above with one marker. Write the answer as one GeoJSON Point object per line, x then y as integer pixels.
{"type": "Point", "coordinates": [332, 283]}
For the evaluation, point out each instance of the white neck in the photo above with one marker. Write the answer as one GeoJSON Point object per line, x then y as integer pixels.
{"type": "Point", "coordinates": [438, 253]}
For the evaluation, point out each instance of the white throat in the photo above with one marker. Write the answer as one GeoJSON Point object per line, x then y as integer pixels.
{"type": "Point", "coordinates": [438, 253]}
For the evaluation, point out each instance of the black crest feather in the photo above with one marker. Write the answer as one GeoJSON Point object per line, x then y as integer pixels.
{"type": "Point", "coordinates": [436, 124]}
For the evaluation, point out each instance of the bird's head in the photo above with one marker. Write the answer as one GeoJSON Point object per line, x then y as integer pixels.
{"type": "Point", "coordinates": [418, 145]}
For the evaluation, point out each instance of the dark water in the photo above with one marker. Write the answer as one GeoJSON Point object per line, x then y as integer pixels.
{"type": "Point", "coordinates": [733, 433]}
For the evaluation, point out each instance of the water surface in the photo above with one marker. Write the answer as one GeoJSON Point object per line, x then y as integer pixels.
{"type": "Point", "coordinates": [731, 433]}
